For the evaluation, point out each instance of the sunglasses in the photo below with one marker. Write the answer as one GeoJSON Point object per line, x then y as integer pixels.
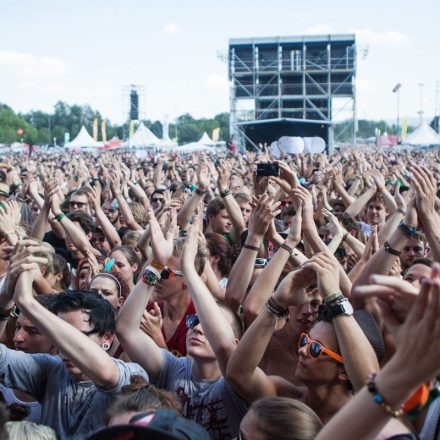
{"type": "Point", "coordinates": [316, 349]}
{"type": "Point", "coordinates": [157, 200]}
{"type": "Point", "coordinates": [99, 239]}
{"type": "Point", "coordinates": [192, 321]}
{"type": "Point", "coordinates": [167, 273]}
{"type": "Point", "coordinates": [79, 204]}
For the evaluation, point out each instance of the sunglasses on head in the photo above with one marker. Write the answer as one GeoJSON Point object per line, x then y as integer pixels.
{"type": "Point", "coordinates": [79, 204]}
{"type": "Point", "coordinates": [316, 349]}
{"type": "Point", "coordinates": [192, 321]}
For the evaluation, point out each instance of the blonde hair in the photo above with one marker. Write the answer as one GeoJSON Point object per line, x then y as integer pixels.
{"type": "Point", "coordinates": [25, 430]}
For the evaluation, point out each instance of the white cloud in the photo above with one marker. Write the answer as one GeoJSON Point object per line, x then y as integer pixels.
{"type": "Point", "coordinates": [170, 28]}
{"type": "Point", "coordinates": [377, 37]}
{"type": "Point", "coordinates": [93, 93]}
{"type": "Point", "coordinates": [364, 86]}
{"type": "Point", "coordinates": [27, 64]}
{"type": "Point", "coordinates": [318, 29]}
{"type": "Point", "coordinates": [217, 81]}
{"type": "Point", "coordinates": [27, 84]}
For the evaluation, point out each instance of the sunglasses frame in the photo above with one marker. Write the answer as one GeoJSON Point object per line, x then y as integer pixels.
{"type": "Point", "coordinates": [167, 273]}
{"type": "Point", "coordinates": [324, 350]}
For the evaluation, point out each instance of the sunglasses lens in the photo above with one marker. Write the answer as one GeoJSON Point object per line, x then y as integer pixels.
{"type": "Point", "coordinates": [192, 321]}
{"type": "Point", "coordinates": [315, 349]}
{"type": "Point", "coordinates": [303, 340]}
{"type": "Point", "coordinates": [165, 274]}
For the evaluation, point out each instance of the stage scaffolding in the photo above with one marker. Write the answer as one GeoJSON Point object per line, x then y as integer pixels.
{"type": "Point", "coordinates": [296, 86]}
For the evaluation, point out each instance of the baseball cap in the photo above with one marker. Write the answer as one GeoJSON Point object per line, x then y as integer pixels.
{"type": "Point", "coordinates": [114, 204]}
{"type": "Point", "coordinates": [163, 424]}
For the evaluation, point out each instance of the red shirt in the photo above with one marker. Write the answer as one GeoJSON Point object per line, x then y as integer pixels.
{"type": "Point", "coordinates": [177, 343]}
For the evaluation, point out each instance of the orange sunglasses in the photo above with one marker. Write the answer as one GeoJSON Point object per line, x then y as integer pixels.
{"type": "Point", "coordinates": [316, 349]}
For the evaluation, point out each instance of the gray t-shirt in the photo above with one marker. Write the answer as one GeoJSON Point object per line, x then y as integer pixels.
{"type": "Point", "coordinates": [73, 409]}
{"type": "Point", "coordinates": [212, 403]}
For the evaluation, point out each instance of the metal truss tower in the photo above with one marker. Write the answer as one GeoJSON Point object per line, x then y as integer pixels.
{"type": "Point", "coordinates": [294, 86]}
{"type": "Point", "coordinates": [133, 104]}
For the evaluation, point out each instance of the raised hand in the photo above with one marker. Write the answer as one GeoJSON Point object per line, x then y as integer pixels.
{"type": "Point", "coordinates": [326, 268]}
{"type": "Point", "coordinates": [203, 175]}
{"type": "Point", "coordinates": [223, 177]}
{"type": "Point", "coordinates": [151, 324]}
{"type": "Point", "coordinates": [191, 244]}
{"type": "Point", "coordinates": [162, 246]}
{"type": "Point", "coordinates": [263, 213]}
{"type": "Point", "coordinates": [426, 188]}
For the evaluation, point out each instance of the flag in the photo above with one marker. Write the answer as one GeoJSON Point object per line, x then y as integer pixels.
{"type": "Point", "coordinates": [103, 132]}
{"type": "Point", "coordinates": [216, 134]}
{"type": "Point", "coordinates": [131, 130]}
{"type": "Point", "coordinates": [404, 129]}
{"type": "Point", "coordinates": [95, 129]}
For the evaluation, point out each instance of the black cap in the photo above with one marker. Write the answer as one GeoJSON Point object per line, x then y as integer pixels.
{"type": "Point", "coordinates": [163, 424]}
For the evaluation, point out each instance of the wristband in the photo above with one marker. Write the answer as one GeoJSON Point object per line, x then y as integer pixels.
{"type": "Point", "coordinates": [287, 248]}
{"type": "Point", "coordinates": [344, 237]}
{"type": "Point", "coordinates": [252, 248]}
{"type": "Point", "coordinates": [225, 194]}
{"type": "Point", "coordinates": [200, 192]}
{"type": "Point", "coordinates": [5, 314]}
{"type": "Point", "coordinates": [378, 398]}
{"type": "Point", "coordinates": [276, 310]}
{"type": "Point", "coordinates": [409, 231]}
{"type": "Point", "coordinates": [333, 297]}
{"type": "Point", "coordinates": [60, 217]}
{"type": "Point", "coordinates": [390, 250]}
{"type": "Point", "coordinates": [151, 276]}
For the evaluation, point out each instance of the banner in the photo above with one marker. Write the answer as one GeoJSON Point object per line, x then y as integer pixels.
{"type": "Point", "coordinates": [131, 130]}
{"type": "Point", "coordinates": [95, 129]}
{"type": "Point", "coordinates": [216, 134]}
{"type": "Point", "coordinates": [103, 132]}
{"type": "Point", "coordinates": [404, 129]}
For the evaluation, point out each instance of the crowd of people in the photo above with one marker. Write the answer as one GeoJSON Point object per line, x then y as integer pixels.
{"type": "Point", "coordinates": [189, 297]}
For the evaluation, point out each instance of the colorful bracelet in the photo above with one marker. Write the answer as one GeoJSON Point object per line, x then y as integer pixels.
{"type": "Point", "coordinates": [60, 217]}
{"type": "Point", "coordinates": [378, 398]}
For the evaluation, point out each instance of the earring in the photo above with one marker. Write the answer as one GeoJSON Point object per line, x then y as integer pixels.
{"type": "Point", "coordinates": [105, 346]}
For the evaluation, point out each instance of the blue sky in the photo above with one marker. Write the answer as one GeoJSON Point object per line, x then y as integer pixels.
{"type": "Point", "coordinates": [85, 51]}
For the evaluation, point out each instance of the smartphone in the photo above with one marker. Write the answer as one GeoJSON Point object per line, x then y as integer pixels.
{"type": "Point", "coordinates": [260, 262]}
{"type": "Point", "coordinates": [268, 169]}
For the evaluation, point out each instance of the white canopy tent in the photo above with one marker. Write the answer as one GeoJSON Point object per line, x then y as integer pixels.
{"type": "Point", "coordinates": [423, 136]}
{"type": "Point", "coordinates": [205, 140]}
{"type": "Point", "coordinates": [83, 140]}
{"type": "Point", "coordinates": [143, 137]}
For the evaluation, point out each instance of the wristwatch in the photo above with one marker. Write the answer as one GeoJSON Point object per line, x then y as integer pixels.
{"type": "Point", "coordinates": [330, 310]}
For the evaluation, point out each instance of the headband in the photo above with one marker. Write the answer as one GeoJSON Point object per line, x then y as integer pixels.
{"type": "Point", "coordinates": [112, 277]}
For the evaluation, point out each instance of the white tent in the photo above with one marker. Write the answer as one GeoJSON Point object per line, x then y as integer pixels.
{"type": "Point", "coordinates": [423, 136]}
{"type": "Point", "coordinates": [143, 137]}
{"type": "Point", "coordinates": [205, 140]}
{"type": "Point", "coordinates": [83, 140]}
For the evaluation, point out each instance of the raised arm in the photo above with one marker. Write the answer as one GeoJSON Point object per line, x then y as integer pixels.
{"type": "Point", "coordinates": [358, 354]}
{"type": "Point", "coordinates": [187, 210]}
{"type": "Point", "coordinates": [140, 347]}
{"type": "Point", "coordinates": [77, 236]}
{"type": "Point", "coordinates": [338, 182]}
{"type": "Point", "coordinates": [356, 207]}
{"type": "Point", "coordinates": [115, 186]}
{"type": "Point", "coordinates": [214, 323]}
{"type": "Point", "coordinates": [381, 262]}
{"type": "Point", "coordinates": [231, 204]}
{"type": "Point", "coordinates": [111, 234]}
{"type": "Point", "coordinates": [94, 362]}
{"type": "Point", "coordinates": [243, 372]}
{"type": "Point", "coordinates": [379, 180]}
{"type": "Point", "coordinates": [266, 282]}
{"type": "Point", "coordinates": [410, 367]}
{"type": "Point", "coordinates": [426, 187]}
{"type": "Point", "coordinates": [243, 268]}
{"type": "Point", "coordinates": [40, 224]}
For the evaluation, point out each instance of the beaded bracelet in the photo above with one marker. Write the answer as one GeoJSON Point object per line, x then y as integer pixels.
{"type": "Point", "coordinates": [378, 398]}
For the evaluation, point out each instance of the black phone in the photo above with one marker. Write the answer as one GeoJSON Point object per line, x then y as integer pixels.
{"type": "Point", "coordinates": [268, 169]}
